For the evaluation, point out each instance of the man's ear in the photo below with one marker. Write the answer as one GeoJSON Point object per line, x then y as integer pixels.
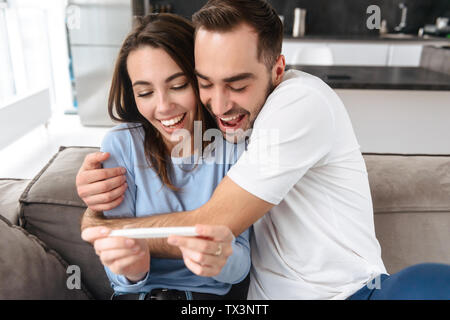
{"type": "Point", "coordinates": [278, 70]}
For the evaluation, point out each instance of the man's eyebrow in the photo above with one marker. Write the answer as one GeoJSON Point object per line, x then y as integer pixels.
{"type": "Point", "coordinates": [174, 76]}
{"type": "Point", "coordinates": [198, 74]}
{"type": "Point", "coordinates": [238, 77]}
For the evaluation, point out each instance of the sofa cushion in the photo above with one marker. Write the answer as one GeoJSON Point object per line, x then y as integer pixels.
{"type": "Point", "coordinates": [409, 183]}
{"type": "Point", "coordinates": [52, 210]}
{"type": "Point", "coordinates": [30, 270]}
{"type": "Point", "coordinates": [416, 237]}
{"type": "Point", "coordinates": [10, 191]}
{"type": "Point", "coordinates": [411, 201]}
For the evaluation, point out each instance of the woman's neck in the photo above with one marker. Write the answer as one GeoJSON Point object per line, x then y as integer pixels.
{"type": "Point", "coordinates": [182, 148]}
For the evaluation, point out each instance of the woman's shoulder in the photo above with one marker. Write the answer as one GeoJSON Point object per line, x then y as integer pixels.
{"type": "Point", "coordinates": [124, 135]}
{"type": "Point", "coordinates": [123, 129]}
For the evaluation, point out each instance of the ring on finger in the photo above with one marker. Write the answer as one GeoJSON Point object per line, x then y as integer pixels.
{"type": "Point", "coordinates": [219, 250]}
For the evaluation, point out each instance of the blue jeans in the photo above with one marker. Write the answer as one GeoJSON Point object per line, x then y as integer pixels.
{"type": "Point", "coordinates": [425, 281]}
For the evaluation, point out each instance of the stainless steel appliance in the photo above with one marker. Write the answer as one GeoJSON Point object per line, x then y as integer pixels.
{"type": "Point", "coordinates": [298, 29]}
{"type": "Point", "coordinates": [96, 32]}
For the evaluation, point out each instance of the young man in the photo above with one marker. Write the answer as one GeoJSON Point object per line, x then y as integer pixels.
{"type": "Point", "coordinates": [309, 201]}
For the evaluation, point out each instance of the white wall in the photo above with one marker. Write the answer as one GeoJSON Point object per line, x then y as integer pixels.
{"type": "Point", "coordinates": [400, 121]}
{"type": "Point", "coordinates": [22, 114]}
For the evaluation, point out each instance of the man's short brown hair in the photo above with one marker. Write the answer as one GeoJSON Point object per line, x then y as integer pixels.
{"type": "Point", "coordinates": [225, 15]}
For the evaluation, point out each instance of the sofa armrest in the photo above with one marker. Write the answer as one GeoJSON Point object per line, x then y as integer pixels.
{"type": "Point", "coordinates": [51, 210]}
{"type": "Point", "coordinates": [10, 191]}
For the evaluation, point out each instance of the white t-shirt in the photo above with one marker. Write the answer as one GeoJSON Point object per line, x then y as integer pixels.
{"type": "Point", "coordinates": [318, 242]}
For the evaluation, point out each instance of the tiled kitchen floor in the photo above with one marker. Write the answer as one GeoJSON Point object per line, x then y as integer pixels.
{"type": "Point", "coordinates": [25, 157]}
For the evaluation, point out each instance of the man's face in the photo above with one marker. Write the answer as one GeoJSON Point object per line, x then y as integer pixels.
{"type": "Point", "coordinates": [233, 83]}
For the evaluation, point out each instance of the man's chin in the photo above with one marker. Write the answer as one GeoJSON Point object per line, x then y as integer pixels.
{"type": "Point", "coordinates": [233, 139]}
{"type": "Point", "coordinates": [236, 136]}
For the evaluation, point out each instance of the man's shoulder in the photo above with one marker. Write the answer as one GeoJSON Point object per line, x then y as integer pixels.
{"type": "Point", "coordinates": [298, 81]}
{"type": "Point", "coordinates": [299, 91]}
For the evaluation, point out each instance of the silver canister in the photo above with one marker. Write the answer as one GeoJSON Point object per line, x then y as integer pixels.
{"type": "Point", "coordinates": [298, 29]}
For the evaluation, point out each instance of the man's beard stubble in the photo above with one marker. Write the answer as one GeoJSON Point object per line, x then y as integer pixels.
{"type": "Point", "coordinates": [239, 110]}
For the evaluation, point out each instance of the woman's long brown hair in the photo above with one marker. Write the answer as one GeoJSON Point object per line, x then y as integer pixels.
{"type": "Point", "coordinates": [175, 35]}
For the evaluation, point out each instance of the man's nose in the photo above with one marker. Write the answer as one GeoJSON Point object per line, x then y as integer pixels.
{"type": "Point", "coordinates": [220, 102]}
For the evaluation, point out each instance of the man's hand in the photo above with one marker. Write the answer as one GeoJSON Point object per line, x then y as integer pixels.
{"type": "Point", "coordinates": [206, 254]}
{"type": "Point", "coordinates": [101, 189]}
{"type": "Point", "coordinates": [123, 256]}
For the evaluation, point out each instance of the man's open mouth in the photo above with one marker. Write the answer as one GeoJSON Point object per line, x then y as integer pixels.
{"type": "Point", "coordinates": [232, 122]}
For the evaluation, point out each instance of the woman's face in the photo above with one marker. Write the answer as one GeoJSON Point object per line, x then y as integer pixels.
{"type": "Point", "coordinates": [163, 94]}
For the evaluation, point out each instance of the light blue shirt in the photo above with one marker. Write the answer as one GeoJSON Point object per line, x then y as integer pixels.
{"type": "Point", "coordinates": [146, 195]}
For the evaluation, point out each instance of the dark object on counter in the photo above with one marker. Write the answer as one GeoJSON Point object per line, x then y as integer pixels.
{"type": "Point", "coordinates": [431, 29]}
{"type": "Point", "coordinates": [378, 78]}
{"type": "Point", "coordinates": [404, 11]}
{"type": "Point", "coordinates": [298, 30]}
{"type": "Point", "coordinates": [160, 8]}
{"type": "Point", "coordinates": [138, 8]}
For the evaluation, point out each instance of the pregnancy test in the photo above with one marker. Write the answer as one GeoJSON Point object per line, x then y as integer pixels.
{"type": "Point", "coordinates": [145, 233]}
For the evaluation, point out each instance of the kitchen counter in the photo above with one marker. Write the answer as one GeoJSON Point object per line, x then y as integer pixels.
{"type": "Point", "coordinates": [375, 38]}
{"type": "Point", "coordinates": [379, 78]}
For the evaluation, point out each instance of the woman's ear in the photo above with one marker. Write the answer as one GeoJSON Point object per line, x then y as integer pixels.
{"type": "Point", "coordinates": [278, 70]}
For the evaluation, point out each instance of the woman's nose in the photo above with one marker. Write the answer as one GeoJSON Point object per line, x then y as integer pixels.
{"type": "Point", "coordinates": [163, 102]}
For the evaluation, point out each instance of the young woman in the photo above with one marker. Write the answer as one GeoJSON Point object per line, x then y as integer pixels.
{"type": "Point", "coordinates": [154, 94]}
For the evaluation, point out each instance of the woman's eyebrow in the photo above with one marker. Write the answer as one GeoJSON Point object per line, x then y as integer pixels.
{"type": "Point", "coordinates": [174, 76]}
{"type": "Point", "coordinates": [146, 83]}
{"type": "Point", "coordinates": [141, 82]}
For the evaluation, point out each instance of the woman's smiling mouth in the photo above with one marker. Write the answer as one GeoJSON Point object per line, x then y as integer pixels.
{"type": "Point", "coordinates": [174, 123]}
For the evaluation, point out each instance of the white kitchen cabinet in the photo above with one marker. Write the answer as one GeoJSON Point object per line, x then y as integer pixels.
{"type": "Point", "coordinates": [362, 54]}
{"type": "Point", "coordinates": [343, 53]}
{"type": "Point", "coordinates": [404, 55]}
{"type": "Point", "coordinates": [350, 53]}
{"type": "Point", "coordinates": [291, 49]}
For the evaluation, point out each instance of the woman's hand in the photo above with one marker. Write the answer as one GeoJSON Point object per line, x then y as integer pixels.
{"type": "Point", "coordinates": [123, 256]}
{"type": "Point", "coordinates": [206, 254]}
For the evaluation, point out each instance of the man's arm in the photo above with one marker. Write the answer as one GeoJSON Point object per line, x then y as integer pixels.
{"type": "Point", "coordinates": [230, 205]}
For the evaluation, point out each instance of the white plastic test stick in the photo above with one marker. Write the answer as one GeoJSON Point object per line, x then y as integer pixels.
{"type": "Point", "coordinates": [145, 233]}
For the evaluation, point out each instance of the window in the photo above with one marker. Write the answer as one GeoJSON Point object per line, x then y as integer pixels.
{"type": "Point", "coordinates": [7, 87]}
{"type": "Point", "coordinates": [27, 92]}
{"type": "Point", "coordinates": [24, 51]}
{"type": "Point", "coordinates": [35, 46]}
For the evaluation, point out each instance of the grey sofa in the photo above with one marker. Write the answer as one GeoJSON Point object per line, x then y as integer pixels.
{"type": "Point", "coordinates": [42, 249]}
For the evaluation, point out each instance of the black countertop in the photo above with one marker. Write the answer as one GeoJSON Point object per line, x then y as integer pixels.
{"type": "Point", "coordinates": [388, 78]}
{"type": "Point", "coordinates": [369, 38]}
